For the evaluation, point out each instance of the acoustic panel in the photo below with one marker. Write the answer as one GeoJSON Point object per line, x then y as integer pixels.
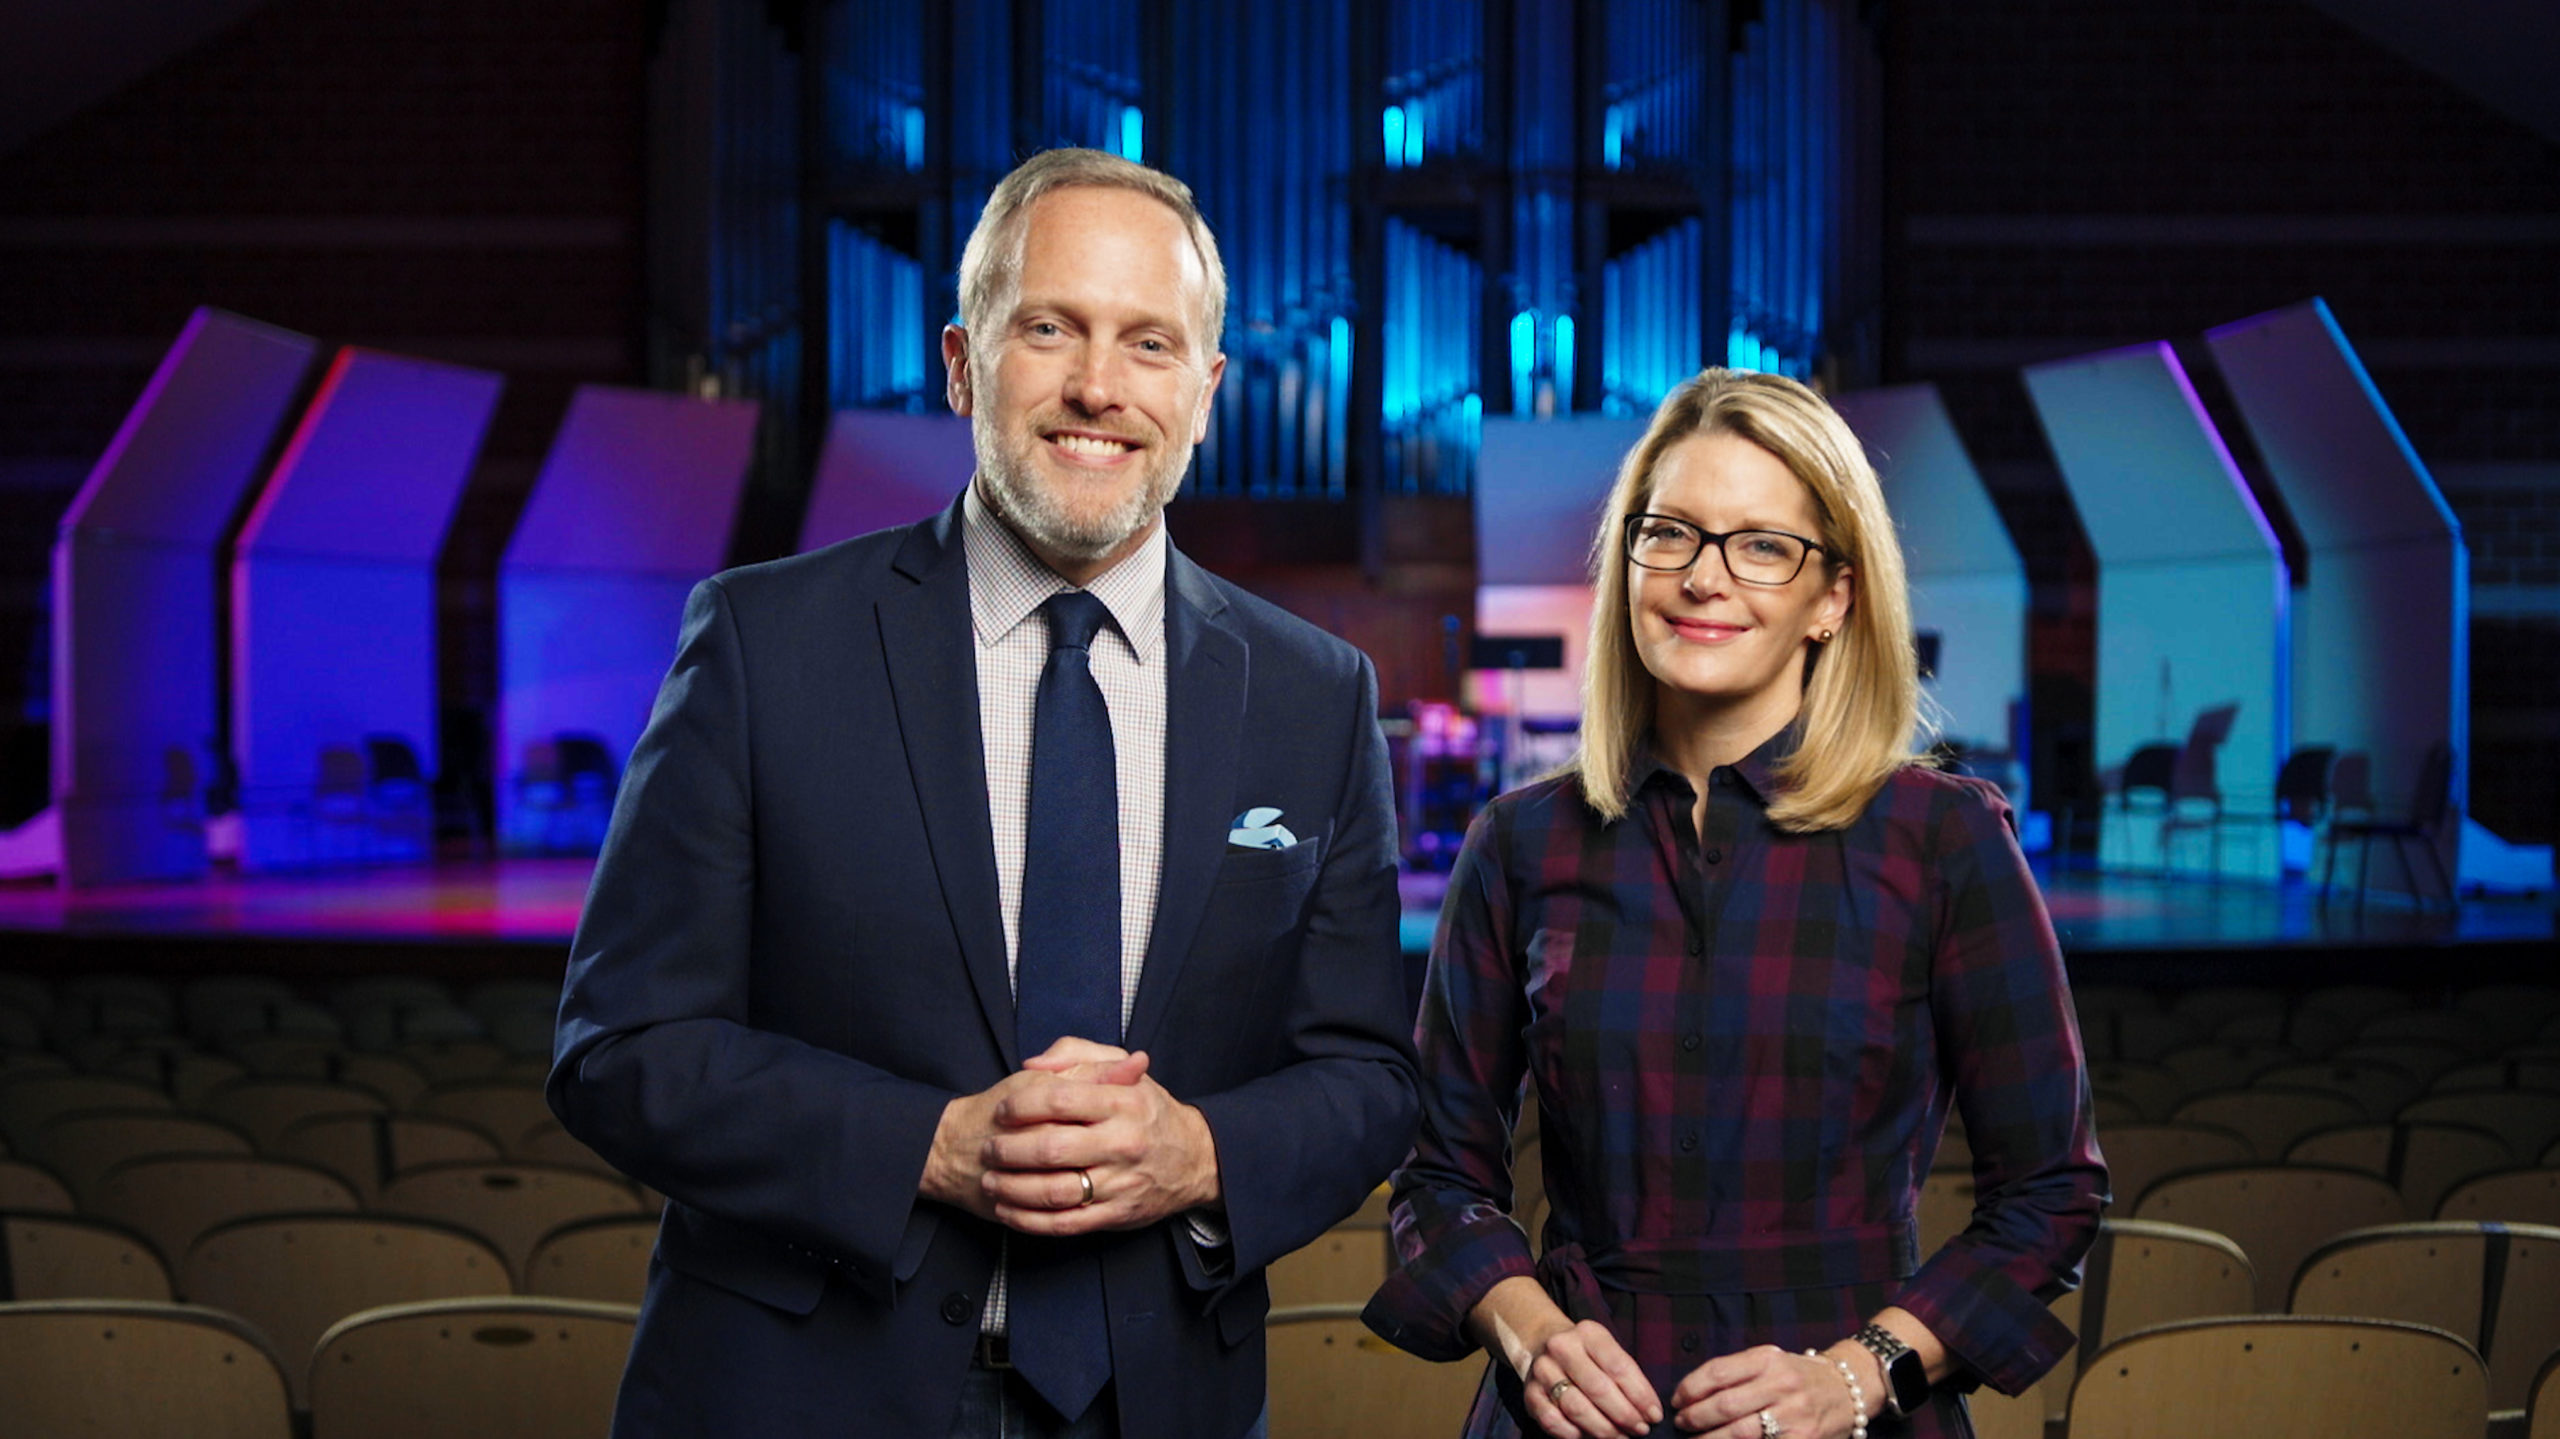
{"type": "Point", "coordinates": [1540, 486]}
{"type": "Point", "coordinates": [881, 468]}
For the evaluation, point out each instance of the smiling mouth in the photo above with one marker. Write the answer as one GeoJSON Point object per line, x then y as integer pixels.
{"type": "Point", "coordinates": [1092, 447]}
{"type": "Point", "coordinates": [1703, 631]}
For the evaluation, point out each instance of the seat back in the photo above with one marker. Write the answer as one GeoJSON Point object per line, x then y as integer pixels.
{"type": "Point", "coordinates": [32, 1188]}
{"type": "Point", "coordinates": [59, 1256]}
{"type": "Point", "coordinates": [602, 1259]}
{"type": "Point", "coordinates": [138, 1371]}
{"type": "Point", "coordinates": [2270, 1118]}
{"type": "Point", "coordinates": [2141, 1272]}
{"type": "Point", "coordinates": [264, 1108]}
{"type": "Point", "coordinates": [295, 1275]}
{"type": "Point", "coordinates": [2226, 1063]}
{"type": "Point", "coordinates": [2529, 1121]}
{"type": "Point", "coordinates": [367, 1150]}
{"type": "Point", "coordinates": [506, 1110]}
{"type": "Point", "coordinates": [83, 1145]}
{"type": "Point", "coordinates": [2302, 784]}
{"type": "Point", "coordinates": [1330, 1376]}
{"type": "Point", "coordinates": [2507, 1196]}
{"type": "Point", "coordinates": [510, 1205]}
{"type": "Point", "coordinates": [2276, 1213]}
{"type": "Point", "coordinates": [1343, 1265]}
{"type": "Point", "coordinates": [2149, 771]}
{"type": "Point", "coordinates": [2421, 1160]}
{"type": "Point", "coordinates": [2542, 1410]}
{"type": "Point", "coordinates": [28, 1099]}
{"type": "Point", "coordinates": [2496, 1285]}
{"type": "Point", "coordinates": [1946, 1207]}
{"type": "Point", "coordinates": [2140, 1155]}
{"type": "Point", "coordinates": [2270, 1374]}
{"type": "Point", "coordinates": [489, 1368]}
{"type": "Point", "coordinates": [2380, 1088]}
{"type": "Point", "coordinates": [173, 1200]}
{"type": "Point", "coordinates": [2155, 1088]}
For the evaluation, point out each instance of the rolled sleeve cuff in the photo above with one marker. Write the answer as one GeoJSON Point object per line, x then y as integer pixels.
{"type": "Point", "coordinates": [1423, 1307]}
{"type": "Point", "coordinates": [1989, 1323]}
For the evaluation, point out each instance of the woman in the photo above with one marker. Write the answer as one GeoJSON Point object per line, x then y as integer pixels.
{"type": "Point", "coordinates": [1749, 952]}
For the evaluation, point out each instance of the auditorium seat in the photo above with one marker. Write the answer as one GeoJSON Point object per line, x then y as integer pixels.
{"type": "Point", "coordinates": [2495, 1285]}
{"type": "Point", "coordinates": [510, 1205]}
{"type": "Point", "coordinates": [448, 1060]}
{"type": "Point", "coordinates": [2276, 1213]}
{"type": "Point", "coordinates": [185, 1075]}
{"type": "Point", "coordinates": [2378, 1087]}
{"type": "Point", "coordinates": [2422, 1161]}
{"type": "Point", "coordinates": [2313, 1033]}
{"type": "Point", "coordinates": [507, 1110]}
{"type": "Point", "coordinates": [138, 1371]}
{"type": "Point", "coordinates": [2531, 1068]}
{"type": "Point", "coordinates": [28, 1099]}
{"type": "Point", "coordinates": [522, 1368]}
{"type": "Point", "coordinates": [2515, 1012]}
{"type": "Point", "coordinates": [2281, 1375]}
{"type": "Point", "coordinates": [2211, 1006]}
{"type": "Point", "coordinates": [603, 1259]}
{"type": "Point", "coordinates": [1343, 1265]}
{"type": "Point", "coordinates": [2226, 1063]}
{"type": "Point", "coordinates": [2108, 1109]}
{"type": "Point", "coordinates": [265, 1108]}
{"type": "Point", "coordinates": [19, 1028]}
{"type": "Point", "coordinates": [293, 1276]}
{"type": "Point", "coordinates": [1946, 1207]}
{"type": "Point", "coordinates": [63, 1256]}
{"type": "Point", "coordinates": [367, 1150]}
{"type": "Point", "coordinates": [2351, 1004]}
{"type": "Point", "coordinates": [2510, 1196]}
{"type": "Point", "coordinates": [2528, 1120]}
{"type": "Point", "coordinates": [1330, 1376]}
{"type": "Point", "coordinates": [2139, 1155]}
{"type": "Point", "coordinates": [171, 1201]}
{"type": "Point", "coordinates": [2136, 1274]}
{"type": "Point", "coordinates": [209, 1006]}
{"type": "Point", "coordinates": [30, 1187]}
{"type": "Point", "coordinates": [2269, 1117]}
{"type": "Point", "coordinates": [2155, 1089]}
{"type": "Point", "coordinates": [2424, 1059]}
{"type": "Point", "coordinates": [2542, 1410]}
{"type": "Point", "coordinates": [549, 1143]}
{"type": "Point", "coordinates": [2459, 1027]}
{"type": "Point", "coordinates": [83, 1145]}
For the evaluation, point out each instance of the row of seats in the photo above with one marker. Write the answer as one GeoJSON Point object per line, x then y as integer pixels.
{"type": "Point", "coordinates": [2131, 1022]}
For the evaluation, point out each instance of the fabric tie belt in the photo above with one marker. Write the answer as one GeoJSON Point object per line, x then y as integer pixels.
{"type": "Point", "coordinates": [1740, 1264]}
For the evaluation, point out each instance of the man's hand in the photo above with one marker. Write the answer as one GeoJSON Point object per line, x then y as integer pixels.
{"type": "Point", "coordinates": [1013, 1153]}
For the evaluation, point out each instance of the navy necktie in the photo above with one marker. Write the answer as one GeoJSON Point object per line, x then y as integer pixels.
{"type": "Point", "coordinates": [1067, 980]}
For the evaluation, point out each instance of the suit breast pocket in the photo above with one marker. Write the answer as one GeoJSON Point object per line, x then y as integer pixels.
{"type": "Point", "coordinates": [1260, 896]}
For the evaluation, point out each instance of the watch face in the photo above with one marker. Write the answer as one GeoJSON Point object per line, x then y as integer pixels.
{"type": "Point", "coordinates": [1910, 1381]}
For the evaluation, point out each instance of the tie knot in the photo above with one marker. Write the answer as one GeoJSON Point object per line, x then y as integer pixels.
{"type": "Point", "coordinates": [1074, 617]}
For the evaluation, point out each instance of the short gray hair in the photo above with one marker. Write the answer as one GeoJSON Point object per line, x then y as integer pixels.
{"type": "Point", "coordinates": [993, 259]}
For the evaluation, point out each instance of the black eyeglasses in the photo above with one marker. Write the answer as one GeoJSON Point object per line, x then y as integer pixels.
{"type": "Point", "coordinates": [1755, 557]}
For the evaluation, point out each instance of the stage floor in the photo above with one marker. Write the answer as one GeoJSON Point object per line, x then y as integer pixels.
{"type": "Point", "coordinates": [534, 903]}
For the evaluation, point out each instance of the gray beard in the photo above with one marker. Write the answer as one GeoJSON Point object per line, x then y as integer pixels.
{"type": "Point", "coordinates": [1035, 514]}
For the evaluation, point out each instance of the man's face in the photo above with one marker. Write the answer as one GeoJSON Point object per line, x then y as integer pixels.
{"type": "Point", "coordinates": [1089, 387]}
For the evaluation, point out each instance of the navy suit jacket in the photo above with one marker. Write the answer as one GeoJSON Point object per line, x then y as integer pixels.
{"type": "Point", "coordinates": [793, 957]}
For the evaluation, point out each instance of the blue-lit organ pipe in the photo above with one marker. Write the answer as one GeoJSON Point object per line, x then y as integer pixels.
{"type": "Point", "coordinates": [1434, 81]}
{"type": "Point", "coordinates": [1260, 123]}
{"type": "Point", "coordinates": [878, 341]}
{"type": "Point", "coordinates": [757, 338]}
{"type": "Point", "coordinates": [1656, 90]}
{"type": "Point", "coordinates": [873, 83]}
{"type": "Point", "coordinates": [1433, 418]}
{"type": "Point", "coordinates": [1791, 160]}
{"type": "Point", "coordinates": [1091, 58]}
{"type": "Point", "coordinates": [1651, 319]}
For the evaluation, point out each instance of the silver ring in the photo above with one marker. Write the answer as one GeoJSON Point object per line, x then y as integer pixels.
{"type": "Point", "coordinates": [1555, 1391]}
{"type": "Point", "coordinates": [1769, 1427]}
{"type": "Point", "coordinates": [1085, 1177]}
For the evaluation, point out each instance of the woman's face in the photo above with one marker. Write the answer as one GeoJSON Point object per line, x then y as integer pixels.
{"type": "Point", "coordinates": [1717, 647]}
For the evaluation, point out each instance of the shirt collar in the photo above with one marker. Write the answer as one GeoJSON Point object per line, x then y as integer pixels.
{"type": "Point", "coordinates": [1757, 771]}
{"type": "Point", "coordinates": [1007, 581]}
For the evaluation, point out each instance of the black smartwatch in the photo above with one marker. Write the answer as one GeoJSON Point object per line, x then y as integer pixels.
{"type": "Point", "coordinates": [1906, 1380]}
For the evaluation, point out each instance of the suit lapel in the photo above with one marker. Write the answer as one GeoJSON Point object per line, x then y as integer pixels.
{"type": "Point", "coordinates": [931, 651]}
{"type": "Point", "coordinates": [1205, 677]}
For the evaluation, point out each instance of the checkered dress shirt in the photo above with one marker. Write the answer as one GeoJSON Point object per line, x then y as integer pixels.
{"type": "Point", "coordinates": [1744, 1048]}
{"type": "Point", "coordinates": [1007, 586]}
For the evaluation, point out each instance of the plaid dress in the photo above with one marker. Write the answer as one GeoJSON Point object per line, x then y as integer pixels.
{"type": "Point", "coordinates": [1744, 1046]}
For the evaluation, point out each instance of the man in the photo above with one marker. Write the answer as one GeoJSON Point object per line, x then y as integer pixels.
{"type": "Point", "coordinates": [993, 957]}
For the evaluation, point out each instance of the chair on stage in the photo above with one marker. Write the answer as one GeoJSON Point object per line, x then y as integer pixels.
{"type": "Point", "coordinates": [2276, 1213]}
{"type": "Point", "coordinates": [63, 1256]}
{"type": "Point", "coordinates": [2282, 1374]}
{"type": "Point", "coordinates": [603, 1259]}
{"type": "Point", "coordinates": [295, 1275]}
{"type": "Point", "coordinates": [2141, 789]}
{"type": "Point", "coordinates": [2429, 812]}
{"type": "Point", "coordinates": [521, 1368]}
{"type": "Point", "coordinates": [2495, 1285]}
{"type": "Point", "coordinates": [1330, 1376]}
{"type": "Point", "coordinates": [138, 1371]}
{"type": "Point", "coordinates": [2302, 793]}
{"type": "Point", "coordinates": [2195, 788]}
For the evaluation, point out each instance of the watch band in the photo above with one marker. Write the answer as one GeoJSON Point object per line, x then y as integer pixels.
{"type": "Point", "coordinates": [1906, 1382]}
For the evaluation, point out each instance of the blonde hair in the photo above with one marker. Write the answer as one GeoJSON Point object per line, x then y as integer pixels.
{"type": "Point", "coordinates": [1861, 708]}
{"type": "Point", "coordinates": [993, 259]}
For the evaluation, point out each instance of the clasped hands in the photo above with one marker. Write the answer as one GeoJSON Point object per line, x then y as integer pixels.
{"type": "Point", "coordinates": [1578, 1382]}
{"type": "Point", "coordinates": [1021, 1152]}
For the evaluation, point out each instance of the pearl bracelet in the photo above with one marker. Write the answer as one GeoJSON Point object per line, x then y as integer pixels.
{"type": "Point", "coordinates": [1857, 1394]}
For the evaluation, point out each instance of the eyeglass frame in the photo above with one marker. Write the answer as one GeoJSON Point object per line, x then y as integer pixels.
{"type": "Point", "coordinates": [1707, 537]}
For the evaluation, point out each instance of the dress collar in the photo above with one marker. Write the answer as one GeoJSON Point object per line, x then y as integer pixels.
{"type": "Point", "coordinates": [1007, 581]}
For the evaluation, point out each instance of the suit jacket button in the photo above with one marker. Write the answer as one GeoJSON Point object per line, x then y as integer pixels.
{"type": "Point", "coordinates": [956, 1309]}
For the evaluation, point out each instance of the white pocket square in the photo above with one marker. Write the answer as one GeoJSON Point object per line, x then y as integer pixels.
{"type": "Point", "coordinates": [1260, 828]}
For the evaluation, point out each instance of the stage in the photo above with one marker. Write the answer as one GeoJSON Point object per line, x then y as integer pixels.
{"type": "Point", "coordinates": [481, 917]}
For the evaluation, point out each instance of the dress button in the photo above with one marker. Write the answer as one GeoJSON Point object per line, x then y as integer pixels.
{"type": "Point", "coordinates": [1697, 944]}
{"type": "Point", "coordinates": [1689, 1041]}
{"type": "Point", "coordinates": [956, 1309]}
{"type": "Point", "coordinates": [1715, 856]}
{"type": "Point", "coordinates": [1689, 1343]}
{"type": "Point", "coordinates": [1688, 1143]}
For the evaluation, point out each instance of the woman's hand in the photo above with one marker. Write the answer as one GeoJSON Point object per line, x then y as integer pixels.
{"type": "Point", "coordinates": [1577, 1379]}
{"type": "Point", "coordinates": [1803, 1396]}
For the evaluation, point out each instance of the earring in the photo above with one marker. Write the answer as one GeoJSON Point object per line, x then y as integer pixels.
{"type": "Point", "coordinates": [1823, 638]}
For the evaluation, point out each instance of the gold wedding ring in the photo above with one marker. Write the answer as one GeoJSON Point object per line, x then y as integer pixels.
{"type": "Point", "coordinates": [1085, 1178]}
{"type": "Point", "coordinates": [1555, 1391]}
